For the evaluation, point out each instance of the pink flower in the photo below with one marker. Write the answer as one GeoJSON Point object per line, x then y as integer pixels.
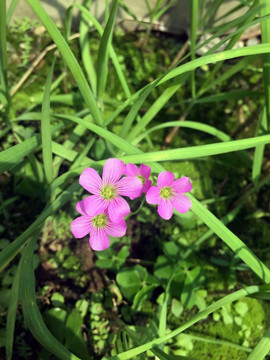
{"type": "Point", "coordinates": [107, 190]}
{"type": "Point", "coordinates": [169, 194]}
{"type": "Point", "coordinates": [142, 173]}
{"type": "Point", "coordinates": [98, 225]}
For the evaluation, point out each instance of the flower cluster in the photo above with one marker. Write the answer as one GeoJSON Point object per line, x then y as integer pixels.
{"type": "Point", "coordinates": [103, 212]}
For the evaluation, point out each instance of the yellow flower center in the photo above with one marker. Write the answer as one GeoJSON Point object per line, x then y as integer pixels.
{"type": "Point", "coordinates": [141, 178]}
{"type": "Point", "coordinates": [108, 192]}
{"type": "Point", "coordinates": [166, 192]}
{"type": "Point", "coordinates": [100, 221]}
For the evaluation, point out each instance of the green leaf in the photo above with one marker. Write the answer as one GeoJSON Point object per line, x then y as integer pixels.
{"type": "Point", "coordinates": [176, 308]}
{"type": "Point", "coordinates": [73, 335]}
{"type": "Point", "coordinates": [31, 311]}
{"type": "Point", "coordinates": [193, 280]}
{"type": "Point", "coordinates": [141, 296]}
{"type": "Point", "coordinates": [129, 281]}
{"type": "Point", "coordinates": [12, 310]}
{"type": "Point", "coordinates": [241, 308]}
{"type": "Point", "coordinates": [55, 319]}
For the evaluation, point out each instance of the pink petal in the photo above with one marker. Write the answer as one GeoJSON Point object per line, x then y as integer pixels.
{"type": "Point", "coordinates": [117, 209]}
{"type": "Point", "coordinates": [165, 209]}
{"type": "Point", "coordinates": [90, 180]}
{"type": "Point", "coordinates": [130, 186]}
{"type": "Point", "coordinates": [145, 171]}
{"type": "Point", "coordinates": [181, 203]}
{"type": "Point", "coordinates": [112, 171]}
{"type": "Point", "coordinates": [146, 186]}
{"type": "Point", "coordinates": [80, 207]}
{"type": "Point", "coordinates": [116, 230]}
{"type": "Point", "coordinates": [182, 185]}
{"type": "Point", "coordinates": [99, 240]}
{"type": "Point", "coordinates": [92, 205]}
{"type": "Point", "coordinates": [81, 226]}
{"type": "Point", "coordinates": [165, 178]}
{"type": "Point", "coordinates": [152, 196]}
{"type": "Point", "coordinates": [131, 170]}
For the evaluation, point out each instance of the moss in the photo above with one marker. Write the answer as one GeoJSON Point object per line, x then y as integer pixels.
{"type": "Point", "coordinates": [254, 319]}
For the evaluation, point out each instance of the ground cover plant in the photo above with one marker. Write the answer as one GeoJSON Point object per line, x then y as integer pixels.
{"type": "Point", "coordinates": [163, 157]}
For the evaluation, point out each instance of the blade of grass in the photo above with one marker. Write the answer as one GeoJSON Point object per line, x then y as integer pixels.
{"type": "Point", "coordinates": [112, 53]}
{"type": "Point", "coordinates": [265, 29]}
{"type": "Point", "coordinates": [259, 150]}
{"type": "Point", "coordinates": [166, 155]}
{"type": "Point", "coordinates": [226, 55]}
{"type": "Point", "coordinates": [46, 128]}
{"type": "Point", "coordinates": [4, 90]}
{"type": "Point", "coordinates": [103, 51]}
{"type": "Point", "coordinates": [31, 311]}
{"type": "Point", "coordinates": [208, 59]}
{"type": "Point", "coordinates": [236, 36]}
{"type": "Point", "coordinates": [231, 240]}
{"type": "Point", "coordinates": [194, 7]}
{"type": "Point", "coordinates": [69, 143]}
{"type": "Point", "coordinates": [152, 112]}
{"type": "Point", "coordinates": [69, 58]}
{"type": "Point", "coordinates": [229, 95]}
{"type": "Point", "coordinates": [12, 310]}
{"type": "Point", "coordinates": [262, 348]}
{"type": "Point", "coordinates": [228, 218]}
{"type": "Point", "coordinates": [186, 124]}
{"type": "Point", "coordinates": [13, 155]}
{"type": "Point", "coordinates": [85, 49]}
{"type": "Point", "coordinates": [11, 9]}
{"type": "Point", "coordinates": [201, 315]}
{"type": "Point", "coordinates": [197, 151]}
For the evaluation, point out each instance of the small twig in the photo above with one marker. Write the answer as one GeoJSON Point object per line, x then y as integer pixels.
{"type": "Point", "coordinates": [173, 132]}
{"type": "Point", "coordinates": [180, 54]}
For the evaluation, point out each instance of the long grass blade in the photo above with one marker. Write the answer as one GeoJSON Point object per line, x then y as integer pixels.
{"type": "Point", "coordinates": [259, 150]}
{"type": "Point", "coordinates": [31, 311]}
{"type": "Point", "coordinates": [102, 60]}
{"type": "Point", "coordinates": [85, 49]}
{"type": "Point", "coordinates": [186, 124]}
{"type": "Point", "coordinates": [209, 59]}
{"type": "Point", "coordinates": [11, 315]}
{"type": "Point", "coordinates": [194, 7]}
{"type": "Point", "coordinates": [11, 9]}
{"type": "Point", "coordinates": [154, 109]}
{"type": "Point", "coordinates": [4, 90]}
{"type": "Point", "coordinates": [13, 155]}
{"type": "Point", "coordinates": [265, 28]}
{"type": "Point", "coordinates": [70, 59]}
{"type": "Point", "coordinates": [46, 128]}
